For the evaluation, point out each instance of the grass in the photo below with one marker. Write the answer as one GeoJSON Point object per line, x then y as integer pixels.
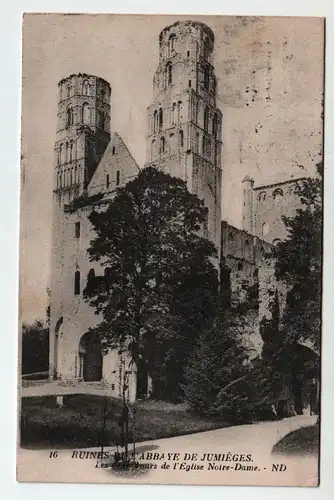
{"type": "Point", "coordinates": [304, 441]}
{"type": "Point", "coordinates": [79, 423]}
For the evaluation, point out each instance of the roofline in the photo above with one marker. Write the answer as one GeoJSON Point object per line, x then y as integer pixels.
{"type": "Point", "coordinates": [280, 183]}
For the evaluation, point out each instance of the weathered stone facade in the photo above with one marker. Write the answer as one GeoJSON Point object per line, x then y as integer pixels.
{"type": "Point", "coordinates": [264, 206]}
{"type": "Point", "coordinates": [184, 123]}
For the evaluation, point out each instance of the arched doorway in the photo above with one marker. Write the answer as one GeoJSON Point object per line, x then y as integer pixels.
{"type": "Point", "coordinates": [56, 348]}
{"type": "Point", "coordinates": [90, 358]}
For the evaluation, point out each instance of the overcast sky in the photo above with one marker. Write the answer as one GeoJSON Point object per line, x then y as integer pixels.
{"type": "Point", "coordinates": [270, 82]}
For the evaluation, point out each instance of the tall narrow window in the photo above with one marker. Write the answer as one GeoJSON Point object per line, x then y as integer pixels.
{"type": "Point", "coordinates": [174, 117]}
{"type": "Point", "coordinates": [197, 142]}
{"type": "Point", "coordinates": [171, 45]}
{"type": "Point", "coordinates": [155, 121]}
{"type": "Point", "coordinates": [206, 119]}
{"type": "Point", "coordinates": [172, 145]}
{"type": "Point", "coordinates": [113, 150]}
{"type": "Point", "coordinates": [75, 174]}
{"type": "Point", "coordinates": [86, 88]}
{"type": "Point", "coordinates": [204, 145]}
{"type": "Point", "coordinates": [60, 152]}
{"type": "Point", "coordinates": [69, 90]}
{"type": "Point", "coordinates": [168, 74]}
{"type": "Point", "coordinates": [189, 83]}
{"type": "Point", "coordinates": [117, 177]}
{"type": "Point", "coordinates": [215, 125]}
{"type": "Point", "coordinates": [153, 149]}
{"type": "Point", "coordinates": [77, 229]}
{"type": "Point", "coordinates": [206, 78]}
{"type": "Point", "coordinates": [162, 145]}
{"type": "Point", "coordinates": [181, 139]}
{"type": "Point", "coordinates": [161, 118]}
{"type": "Point", "coordinates": [71, 151]}
{"type": "Point", "coordinates": [77, 283]}
{"type": "Point", "coordinates": [90, 277]}
{"type": "Point", "coordinates": [102, 120]}
{"type": "Point", "coordinates": [188, 53]}
{"type": "Point", "coordinates": [60, 179]}
{"type": "Point", "coordinates": [69, 117]}
{"type": "Point", "coordinates": [107, 180]}
{"type": "Point", "coordinates": [179, 104]}
{"type": "Point", "coordinates": [67, 155]}
{"type": "Point", "coordinates": [86, 114]}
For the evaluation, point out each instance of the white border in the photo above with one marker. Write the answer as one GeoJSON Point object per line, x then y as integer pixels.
{"type": "Point", "coordinates": [10, 47]}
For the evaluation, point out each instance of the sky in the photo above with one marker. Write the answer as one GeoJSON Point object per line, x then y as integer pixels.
{"type": "Point", "coordinates": [270, 84]}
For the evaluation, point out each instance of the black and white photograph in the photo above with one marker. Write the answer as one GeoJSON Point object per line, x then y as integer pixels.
{"type": "Point", "coordinates": [171, 227]}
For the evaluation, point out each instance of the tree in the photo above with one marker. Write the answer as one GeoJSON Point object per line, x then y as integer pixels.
{"type": "Point", "coordinates": [160, 284]}
{"type": "Point", "coordinates": [35, 348]}
{"type": "Point", "coordinates": [220, 379]}
{"type": "Point", "coordinates": [299, 264]}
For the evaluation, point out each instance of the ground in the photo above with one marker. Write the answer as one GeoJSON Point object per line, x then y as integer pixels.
{"type": "Point", "coordinates": [91, 420]}
{"type": "Point", "coordinates": [300, 442]}
{"type": "Point", "coordinates": [258, 440]}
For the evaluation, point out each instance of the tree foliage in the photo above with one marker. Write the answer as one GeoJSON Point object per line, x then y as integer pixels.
{"type": "Point", "coordinates": [35, 347]}
{"type": "Point", "coordinates": [160, 285]}
{"type": "Point", "coordinates": [220, 379]}
{"type": "Point", "coordinates": [299, 264]}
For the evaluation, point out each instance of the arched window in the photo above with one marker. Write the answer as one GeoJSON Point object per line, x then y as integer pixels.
{"type": "Point", "coordinates": [208, 147]}
{"type": "Point", "coordinates": [265, 229]}
{"type": "Point", "coordinates": [75, 174]}
{"type": "Point", "coordinates": [153, 149]}
{"type": "Point", "coordinates": [102, 120]}
{"type": "Point", "coordinates": [206, 50]}
{"type": "Point", "coordinates": [161, 118]}
{"type": "Point", "coordinates": [262, 196]}
{"type": "Point", "coordinates": [86, 88]}
{"type": "Point", "coordinates": [172, 144]}
{"type": "Point", "coordinates": [77, 283]}
{"type": "Point", "coordinates": [206, 119]}
{"type": "Point", "coordinates": [162, 145]}
{"type": "Point", "coordinates": [60, 179]}
{"type": "Point", "coordinates": [60, 154]}
{"type": "Point", "coordinates": [69, 117]}
{"type": "Point", "coordinates": [168, 74]}
{"type": "Point", "coordinates": [155, 121]}
{"type": "Point", "coordinates": [71, 151]}
{"type": "Point", "coordinates": [203, 145]}
{"type": "Point", "coordinates": [230, 237]}
{"type": "Point", "coordinates": [277, 193]}
{"type": "Point", "coordinates": [197, 142]}
{"type": "Point", "coordinates": [277, 241]}
{"type": "Point", "coordinates": [117, 177]}
{"type": "Point", "coordinates": [179, 106]}
{"type": "Point", "coordinates": [215, 125]}
{"type": "Point", "coordinates": [171, 45]}
{"type": "Point", "coordinates": [68, 90]}
{"type": "Point", "coordinates": [67, 154]}
{"type": "Point", "coordinates": [90, 277]}
{"type": "Point", "coordinates": [107, 180]}
{"type": "Point", "coordinates": [181, 139]}
{"type": "Point", "coordinates": [86, 114]}
{"type": "Point", "coordinates": [206, 78]}
{"type": "Point", "coordinates": [174, 115]}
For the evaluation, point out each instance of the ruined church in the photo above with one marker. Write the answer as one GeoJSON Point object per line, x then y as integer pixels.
{"type": "Point", "coordinates": [184, 138]}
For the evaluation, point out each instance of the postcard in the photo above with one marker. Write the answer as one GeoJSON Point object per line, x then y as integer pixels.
{"type": "Point", "coordinates": [171, 249]}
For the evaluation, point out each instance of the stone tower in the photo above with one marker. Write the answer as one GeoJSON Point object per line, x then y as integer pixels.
{"type": "Point", "coordinates": [82, 136]}
{"type": "Point", "coordinates": [184, 123]}
{"type": "Point", "coordinates": [83, 131]}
